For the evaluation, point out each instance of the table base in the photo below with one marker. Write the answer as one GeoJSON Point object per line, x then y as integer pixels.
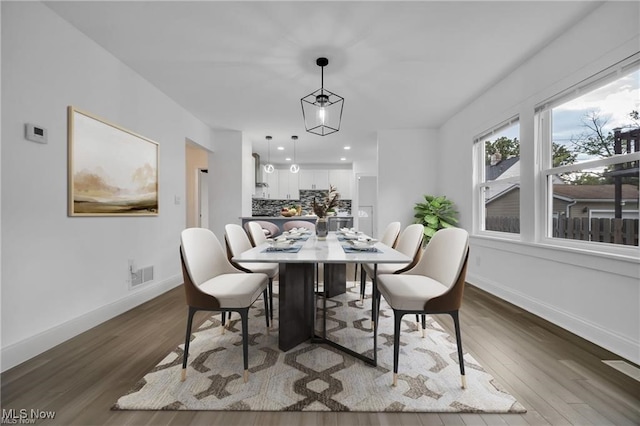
{"type": "Point", "coordinates": [298, 307]}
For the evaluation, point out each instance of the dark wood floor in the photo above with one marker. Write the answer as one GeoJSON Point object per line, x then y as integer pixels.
{"type": "Point", "coordinates": [557, 376]}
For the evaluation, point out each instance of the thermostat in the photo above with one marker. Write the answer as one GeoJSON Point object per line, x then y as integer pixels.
{"type": "Point", "coordinates": [35, 133]}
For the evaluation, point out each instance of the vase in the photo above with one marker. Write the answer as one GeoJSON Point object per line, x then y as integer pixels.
{"type": "Point", "coordinates": [322, 229]}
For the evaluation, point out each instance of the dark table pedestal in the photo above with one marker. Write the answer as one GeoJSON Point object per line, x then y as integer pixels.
{"type": "Point", "coordinates": [296, 293]}
{"type": "Point", "coordinates": [335, 279]}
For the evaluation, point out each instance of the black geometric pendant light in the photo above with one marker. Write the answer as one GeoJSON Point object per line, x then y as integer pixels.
{"type": "Point", "coordinates": [322, 109]}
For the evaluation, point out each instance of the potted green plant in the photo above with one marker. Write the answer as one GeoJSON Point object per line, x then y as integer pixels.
{"type": "Point", "coordinates": [436, 212]}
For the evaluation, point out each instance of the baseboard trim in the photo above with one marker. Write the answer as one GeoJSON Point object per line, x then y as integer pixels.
{"type": "Point", "coordinates": [618, 344]}
{"type": "Point", "coordinates": [32, 346]}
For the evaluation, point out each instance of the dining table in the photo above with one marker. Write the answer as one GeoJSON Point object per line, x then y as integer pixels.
{"type": "Point", "coordinates": [299, 294]}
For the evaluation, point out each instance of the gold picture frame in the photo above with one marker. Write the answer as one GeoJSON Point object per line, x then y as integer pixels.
{"type": "Point", "coordinates": [112, 171]}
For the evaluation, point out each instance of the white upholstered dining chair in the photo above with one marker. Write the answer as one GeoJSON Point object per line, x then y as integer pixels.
{"type": "Point", "coordinates": [211, 283]}
{"type": "Point", "coordinates": [256, 232]}
{"type": "Point", "coordinates": [409, 243]}
{"type": "Point", "coordinates": [388, 238]}
{"type": "Point", "coordinates": [237, 241]}
{"type": "Point", "coordinates": [289, 225]}
{"type": "Point", "coordinates": [434, 286]}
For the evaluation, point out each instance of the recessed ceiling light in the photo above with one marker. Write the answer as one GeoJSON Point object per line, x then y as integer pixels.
{"type": "Point", "coordinates": [281, 148]}
{"type": "Point", "coordinates": [347, 147]}
{"type": "Point", "coordinates": [287, 159]}
{"type": "Point", "coordinates": [343, 159]}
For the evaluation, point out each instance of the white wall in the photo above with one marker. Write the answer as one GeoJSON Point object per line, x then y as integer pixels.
{"type": "Point", "coordinates": [1, 273]}
{"type": "Point", "coordinates": [407, 170]}
{"type": "Point", "coordinates": [230, 183]}
{"type": "Point", "coordinates": [62, 275]}
{"type": "Point", "coordinates": [597, 297]}
{"type": "Point", "coordinates": [247, 174]}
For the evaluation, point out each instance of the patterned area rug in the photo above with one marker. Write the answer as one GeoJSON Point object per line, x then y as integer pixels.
{"type": "Point", "coordinates": [316, 377]}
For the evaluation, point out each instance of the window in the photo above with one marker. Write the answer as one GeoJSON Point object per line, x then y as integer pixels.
{"type": "Point", "coordinates": [590, 144]}
{"type": "Point", "coordinates": [498, 178]}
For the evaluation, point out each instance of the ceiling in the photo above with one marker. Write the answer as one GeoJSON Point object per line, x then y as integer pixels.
{"type": "Point", "coordinates": [245, 65]}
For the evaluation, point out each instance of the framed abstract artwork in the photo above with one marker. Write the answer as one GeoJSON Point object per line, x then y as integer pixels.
{"type": "Point", "coordinates": [112, 171]}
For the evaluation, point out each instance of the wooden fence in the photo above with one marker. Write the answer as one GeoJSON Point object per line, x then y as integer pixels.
{"type": "Point", "coordinates": [614, 231]}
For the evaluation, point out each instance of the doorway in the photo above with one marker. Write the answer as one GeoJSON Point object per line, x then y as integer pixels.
{"type": "Point", "coordinates": [197, 178]}
{"type": "Point", "coordinates": [203, 198]}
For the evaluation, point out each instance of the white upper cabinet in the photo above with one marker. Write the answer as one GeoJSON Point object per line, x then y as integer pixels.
{"type": "Point", "coordinates": [342, 179]}
{"type": "Point", "coordinates": [270, 179]}
{"type": "Point", "coordinates": [314, 179]}
{"type": "Point", "coordinates": [284, 185]}
{"type": "Point", "coordinates": [288, 185]}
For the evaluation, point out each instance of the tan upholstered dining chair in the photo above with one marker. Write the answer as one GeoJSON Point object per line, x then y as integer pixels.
{"type": "Point", "coordinates": [434, 286]}
{"type": "Point", "coordinates": [237, 241]}
{"type": "Point", "coordinates": [211, 283]}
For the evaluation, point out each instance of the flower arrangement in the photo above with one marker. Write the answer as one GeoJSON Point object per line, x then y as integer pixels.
{"type": "Point", "coordinates": [330, 201]}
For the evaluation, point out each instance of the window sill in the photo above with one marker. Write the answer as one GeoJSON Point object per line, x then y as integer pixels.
{"type": "Point", "coordinates": [619, 260]}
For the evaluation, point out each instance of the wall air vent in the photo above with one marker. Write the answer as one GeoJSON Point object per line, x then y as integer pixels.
{"type": "Point", "coordinates": [141, 276]}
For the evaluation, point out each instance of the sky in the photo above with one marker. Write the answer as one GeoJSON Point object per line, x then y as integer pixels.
{"type": "Point", "coordinates": [613, 102]}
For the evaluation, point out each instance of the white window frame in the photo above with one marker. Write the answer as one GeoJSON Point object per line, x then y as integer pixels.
{"type": "Point", "coordinates": [543, 143]}
{"type": "Point", "coordinates": [480, 185]}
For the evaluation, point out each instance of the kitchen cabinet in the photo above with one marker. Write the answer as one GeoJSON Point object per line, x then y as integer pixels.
{"type": "Point", "coordinates": [288, 185]}
{"type": "Point", "coordinates": [314, 179]}
{"type": "Point", "coordinates": [271, 190]}
{"type": "Point", "coordinates": [342, 179]}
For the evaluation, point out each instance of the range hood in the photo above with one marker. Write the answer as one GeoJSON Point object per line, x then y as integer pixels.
{"type": "Point", "coordinates": [260, 183]}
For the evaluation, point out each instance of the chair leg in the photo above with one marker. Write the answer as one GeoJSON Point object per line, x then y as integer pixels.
{"type": "Point", "coordinates": [187, 340]}
{"type": "Point", "coordinates": [244, 316]}
{"type": "Point", "coordinates": [397, 320]}
{"type": "Point", "coordinates": [225, 324]}
{"type": "Point", "coordinates": [424, 324]}
{"type": "Point", "coordinates": [363, 283]}
{"type": "Point", "coordinates": [265, 296]}
{"type": "Point", "coordinates": [271, 299]}
{"type": "Point", "coordinates": [374, 299]}
{"type": "Point", "coordinates": [374, 314]}
{"type": "Point", "coordinates": [377, 321]}
{"type": "Point", "coordinates": [456, 323]}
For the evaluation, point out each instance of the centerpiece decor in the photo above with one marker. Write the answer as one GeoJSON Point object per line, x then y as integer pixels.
{"type": "Point", "coordinates": [321, 209]}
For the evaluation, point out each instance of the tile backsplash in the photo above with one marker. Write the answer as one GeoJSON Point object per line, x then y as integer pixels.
{"type": "Point", "coordinates": [267, 207]}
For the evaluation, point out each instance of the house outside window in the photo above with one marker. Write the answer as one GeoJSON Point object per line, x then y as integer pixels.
{"type": "Point", "coordinates": [498, 178]}
{"type": "Point", "coordinates": [591, 150]}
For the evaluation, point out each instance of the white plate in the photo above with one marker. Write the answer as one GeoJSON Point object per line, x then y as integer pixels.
{"type": "Point", "coordinates": [360, 245]}
{"type": "Point", "coordinates": [280, 243]}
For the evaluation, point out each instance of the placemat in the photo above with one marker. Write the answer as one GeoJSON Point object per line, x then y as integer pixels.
{"type": "Point", "coordinates": [292, 249]}
{"type": "Point", "coordinates": [349, 249]}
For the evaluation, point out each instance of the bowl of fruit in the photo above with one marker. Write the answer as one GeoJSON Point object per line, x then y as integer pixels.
{"type": "Point", "coordinates": [288, 212]}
